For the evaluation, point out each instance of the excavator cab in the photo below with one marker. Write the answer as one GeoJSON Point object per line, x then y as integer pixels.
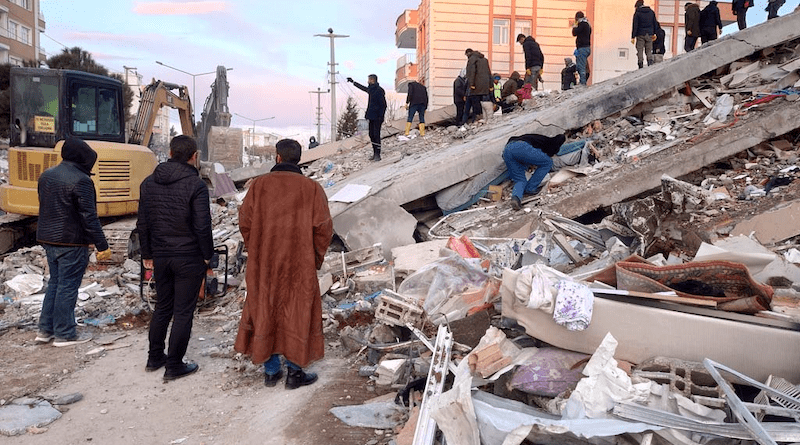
{"type": "Point", "coordinates": [47, 106]}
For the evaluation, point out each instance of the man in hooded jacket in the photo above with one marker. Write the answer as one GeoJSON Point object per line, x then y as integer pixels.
{"type": "Point", "coordinates": [643, 32]}
{"type": "Point", "coordinates": [691, 18]}
{"type": "Point", "coordinates": [739, 8]}
{"type": "Point", "coordinates": [710, 22]}
{"type": "Point", "coordinates": [287, 228]}
{"type": "Point", "coordinates": [479, 86]}
{"type": "Point", "coordinates": [67, 225]}
{"type": "Point", "coordinates": [529, 150]}
{"type": "Point", "coordinates": [174, 226]}
{"type": "Point", "coordinates": [534, 59]}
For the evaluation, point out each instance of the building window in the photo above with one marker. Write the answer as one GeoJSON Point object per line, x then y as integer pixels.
{"type": "Point", "coordinates": [23, 3]}
{"type": "Point", "coordinates": [14, 61]}
{"type": "Point", "coordinates": [25, 35]}
{"type": "Point", "coordinates": [501, 29]}
{"type": "Point", "coordinates": [522, 27]}
{"type": "Point", "coordinates": [13, 29]}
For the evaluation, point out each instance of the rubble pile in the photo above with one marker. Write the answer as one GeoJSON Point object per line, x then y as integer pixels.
{"type": "Point", "coordinates": [648, 294]}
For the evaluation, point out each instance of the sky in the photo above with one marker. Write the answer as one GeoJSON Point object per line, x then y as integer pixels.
{"type": "Point", "coordinates": [276, 59]}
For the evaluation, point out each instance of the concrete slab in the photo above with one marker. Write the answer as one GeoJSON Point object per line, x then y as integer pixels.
{"type": "Point", "coordinates": [332, 148]}
{"type": "Point", "coordinates": [375, 220]}
{"type": "Point", "coordinates": [773, 226]}
{"type": "Point", "coordinates": [244, 173]}
{"type": "Point", "coordinates": [225, 146]}
{"type": "Point", "coordinates": [414, 177]}
{"type": "Point", "coordinates": [16, 419]}
{"type": "Point", "coordinates": [408, 259]}
{"type": "Point", "coordinates": [617, 186]}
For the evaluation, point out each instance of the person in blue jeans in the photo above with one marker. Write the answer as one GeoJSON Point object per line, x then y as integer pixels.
{"type": "Point", "coordinates": [416, 103]}
{"type": "Point", "coordinates": [67, 225]}
{"type": "Point", "coordinates": [527, 150]}
{"type": "Point", "coordinates": [583, 42]}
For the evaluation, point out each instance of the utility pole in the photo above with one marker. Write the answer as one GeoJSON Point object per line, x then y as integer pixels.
{"type": "Point", "coordinates": [319, 94]}
{"type": "Point", "coordinates": [333, 74]}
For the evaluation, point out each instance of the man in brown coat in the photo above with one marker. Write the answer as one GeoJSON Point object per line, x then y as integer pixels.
{"type": "Point", "coordinates": [287, 228]}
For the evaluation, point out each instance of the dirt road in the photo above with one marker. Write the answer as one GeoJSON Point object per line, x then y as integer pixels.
{"type": "Point", "coordinates": [226, 402]}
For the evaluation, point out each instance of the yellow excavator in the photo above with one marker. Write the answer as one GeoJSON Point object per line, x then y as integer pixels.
{"type": "Point", "coordinates": [47, 106]}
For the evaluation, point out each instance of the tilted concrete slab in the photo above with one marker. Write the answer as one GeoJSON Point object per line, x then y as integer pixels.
{"type": "Point", "coordinates": [418, 176]}
{"type": "Point", "coordinates": [375, 220]}
{"type": "Point", "coordinates": [630, 180]}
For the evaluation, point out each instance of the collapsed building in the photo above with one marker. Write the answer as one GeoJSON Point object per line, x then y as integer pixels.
{"type": "Point", "coordinates": [625, 304]}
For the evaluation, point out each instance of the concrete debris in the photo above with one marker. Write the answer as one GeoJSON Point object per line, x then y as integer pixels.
{"type": "Point", "coordinates": [677, 194]}
{"type": "Point", "coordinates": [22, 414]}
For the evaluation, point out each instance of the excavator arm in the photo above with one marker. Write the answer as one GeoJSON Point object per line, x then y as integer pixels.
{"type": "Point", "coordinates": [154, 96]}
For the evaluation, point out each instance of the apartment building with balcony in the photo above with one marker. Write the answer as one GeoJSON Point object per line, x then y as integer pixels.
{"type": "Point", "coordinates": [21, 27]}
{"type": "Point", "coordinates": [440, 31]}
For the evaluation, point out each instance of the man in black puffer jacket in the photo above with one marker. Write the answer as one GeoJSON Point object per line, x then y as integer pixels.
{"type": "Point", "coordinates": [67, 225]}
{"type": "Point", "coordinates": [175, 234]}
{"type": "Point", "coordinates": [534, 59]}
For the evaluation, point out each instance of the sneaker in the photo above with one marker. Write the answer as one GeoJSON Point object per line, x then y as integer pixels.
{"type": "Point", "coordinates": [83, 337]}
{"type": "Point", "coordinates": [271, 380]}
{"type": "Point", "coordinates": [298, 378]}
{"type": "Point", "coordinates": [516, 204]}
{"type": "Point", "coordinates": [183, 371]}
{"type": "Point", "coordinates": [44, 337]}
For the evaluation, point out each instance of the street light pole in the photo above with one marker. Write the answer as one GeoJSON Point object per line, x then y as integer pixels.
{"type": "Point", "coordinates": [194, 76]}
{"type": "Point", "coordinates": [333, 73]}
{"type": "Point", "coordinates": [253, 134]}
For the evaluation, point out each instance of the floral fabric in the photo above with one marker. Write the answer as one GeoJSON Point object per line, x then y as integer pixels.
{"type": "Point", "coordinates": [574, 304]}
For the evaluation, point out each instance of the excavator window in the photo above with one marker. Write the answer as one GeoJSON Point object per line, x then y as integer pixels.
{"type": "Point", "coordinates": [94, 111]}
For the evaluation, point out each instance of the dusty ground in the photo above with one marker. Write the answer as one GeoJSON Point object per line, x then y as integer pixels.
{"type": "Point", "coordinates": [224, 403]}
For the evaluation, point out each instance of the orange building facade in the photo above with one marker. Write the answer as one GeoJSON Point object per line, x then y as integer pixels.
{"type": "Point", "coordinates": [440, 31]}
{"type": "Point", "coordinates": [21, 26]}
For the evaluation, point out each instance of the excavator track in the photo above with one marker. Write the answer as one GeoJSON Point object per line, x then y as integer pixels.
{"type": "Point", "coordinates": [118, 235]}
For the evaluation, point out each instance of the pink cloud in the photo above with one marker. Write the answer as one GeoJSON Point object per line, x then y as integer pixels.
{"type": "Point", "coordinates": [179, 8]}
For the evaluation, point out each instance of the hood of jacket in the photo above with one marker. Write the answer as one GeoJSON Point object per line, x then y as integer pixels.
{"type": "Point", "coordinates": [173, 171]}
{"type": "Point", "coordinates": [476, 55]}
{"type": "Point", "coordinates": [79, 153]}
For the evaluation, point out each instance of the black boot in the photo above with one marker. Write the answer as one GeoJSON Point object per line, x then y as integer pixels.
{"type": "Point", "coordinates": [376, 154]}
{"type": "Point", "coordinates": [298, 378]}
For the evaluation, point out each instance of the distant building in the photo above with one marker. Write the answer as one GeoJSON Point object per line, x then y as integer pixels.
{"type": "Point", "coordinates": [21, 27]}
{"type": "Point", "coordinates": [440, 31]}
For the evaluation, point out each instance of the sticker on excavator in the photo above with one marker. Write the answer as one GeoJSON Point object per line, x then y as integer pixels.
{"type": "Point", "coordinates": [44, 124]}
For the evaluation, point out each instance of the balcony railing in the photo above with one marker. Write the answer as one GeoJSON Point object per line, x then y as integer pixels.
{"type": "Point", "coordinates": [404, 75]}
{"type": "Point", "coordinates": [406, 33]}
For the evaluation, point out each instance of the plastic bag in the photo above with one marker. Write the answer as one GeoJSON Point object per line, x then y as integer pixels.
{"type": "Point", "coordinates": [722, 108]}
{"type": "Point", "coordinates": [436, 282]}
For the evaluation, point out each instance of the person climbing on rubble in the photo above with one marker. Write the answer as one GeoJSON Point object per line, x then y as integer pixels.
{"type": "Point", "coordinates": [508, 95]}
{"type": "Point", "coordinates": [287, 227]}
{"type": "Point", "coordinates": [691, 17]}
{"type": "Point", "coordinates": [479, 86]}
{"type": "Point", "coordinates": [772, 8]}
{"type": "Point", "coordinates": [534, 59]}
{"type": "Point", "coordinates": [659, 48]}
{"type": "Point", "coordinates": [460, 94]}
{"type": "Point", "coordinates": [174, 226]}
{"type": "Point", "coordinates": [376, 110]}
{"type": "Point", "coordinates": [644, 32]}
{"type": "Point", "coordinates": [710, 22]}
{"type": "Point", "coordinates": [583, 41]}
{"type": "Point", "coordinates": [529, 150]}
{"type": "Point", "coordinates": [67, 225]}
{"type": "Point", "coordinates": [416, 103]}
{"type": "Point", "coordinates": [568, 74]}
{"type": "Point", "coordinates": [739, 8]}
